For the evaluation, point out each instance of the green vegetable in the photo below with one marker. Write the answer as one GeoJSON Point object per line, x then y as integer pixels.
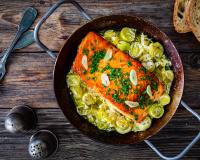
{"type": "Point", "coordinates": [85, 51]}
{"type": "Point", "coordinates": [123, 46]}
{"type": "Point", "coordinates": [135, 50]}
{"type": "Point", "coordinates": [123, 126]}
{"type": "Point", "coordinates": [149, 65]}
{"type": "Point", "coordinates": [142, 126]}
{"type": "Point", "coordinates": [96, 57]}
{"type": "Point", "coordinates": [156, 50]}
{"type": "Point", "coordinates": [129, 63]}
{"type": "Point", "coordinates": [109, 34]}
{"type": "Point", "coordinates": [82, 110]}
{"type": "Point", "coordinates": [167, 75]}
{"type": "Point", "coordinates": [127, 34]}
{"type": "Point", "coordinates": [89, 98]}
{"type": "Point", "coordinates": [156, 111]}
{"type": "Point", "coordinates": [145, 57]}
{"type": "Point", "coordinates": [77, 92]}
{"type": "Point", "coordinates": [164, 99]}
{"type": "Point", "coordinates": [73, 80]}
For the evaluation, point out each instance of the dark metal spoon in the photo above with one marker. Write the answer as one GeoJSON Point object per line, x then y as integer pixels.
{"type": "Point", "coordinates": [27, 20]}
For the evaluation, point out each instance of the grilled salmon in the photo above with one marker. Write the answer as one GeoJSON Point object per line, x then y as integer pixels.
{"type": "Point", "coordinates": [106, 70]}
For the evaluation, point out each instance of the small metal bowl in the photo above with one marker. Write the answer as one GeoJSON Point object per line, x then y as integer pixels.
{"type": "Point", "coordinates": [43, 144]}
{"type": "Point", "coordinates": [20, 119]}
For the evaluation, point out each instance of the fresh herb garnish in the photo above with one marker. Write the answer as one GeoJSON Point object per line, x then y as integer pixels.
{"type": "Point", "coordinates": [96, 57]}
{"type": "Point", "coordinates": [84, 71]}
{"type": "Point", "coordinates": [143, 78]}
{"type": "Point", "coordinates": [126, 106]}
{"type": "Point", "coordinates": [85, 51]}
{"type": "Point", "coordinates": [129, 63]}
{"type": "Point", "coordinates": [154, 86]}
{"type": "Point", "coordinates": [108, 91]}
{"type": "Point", "coordinates": [136, 117]}
{"type": "Point", "coordinates": [143, 69]}
{"type": "Point", "coordinates": [136, 91]}
{"type": "Point", "coordinates": [107, 67]}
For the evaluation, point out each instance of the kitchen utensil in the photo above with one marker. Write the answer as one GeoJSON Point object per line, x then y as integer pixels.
{"type": "Point", "coordinates": [42, 144]}
{"type": "Point", "coordinates": [21, 119]}
{"type": "Point", "coordinates": [26, 22]}
{"type": "Point", "coordinates": [68, 53]}
{"type": "Point", "coordinates": [25, 40]}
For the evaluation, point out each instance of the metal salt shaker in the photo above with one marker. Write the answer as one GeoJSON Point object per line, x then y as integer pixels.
{"type": "Point", "coordinates": [20, 119]}
{"type": "Point", "coordinates": [43, 144]}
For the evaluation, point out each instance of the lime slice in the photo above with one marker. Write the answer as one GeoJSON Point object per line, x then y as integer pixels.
{"type": "Point", "coordinates": [123, 46]}
{"type": "Point", "coordinates": [156, 111]}
{"type": "Point", "coordinates": [135, 50]}
{"type": "Point", "coordinates": [164, 99]}
{"type": "Point", "coordinates": [148, 90]}
{"type": "Point", "coordinates": [127, 34]}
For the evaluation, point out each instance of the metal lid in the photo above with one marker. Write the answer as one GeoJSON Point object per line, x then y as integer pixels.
{"type": "Point", "coordinates": [20, 119]}
{"type": "Point", "coordinates": [43, 144]}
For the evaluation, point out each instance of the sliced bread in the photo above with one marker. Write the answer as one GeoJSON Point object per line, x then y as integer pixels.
{"type": "Point", "coordinates": [193, 17]}
{"type": "Point", "coordinates": [179, 17]}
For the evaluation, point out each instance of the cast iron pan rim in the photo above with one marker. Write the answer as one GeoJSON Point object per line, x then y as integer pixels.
{"type": "Point", "coordinates": [181, 86]}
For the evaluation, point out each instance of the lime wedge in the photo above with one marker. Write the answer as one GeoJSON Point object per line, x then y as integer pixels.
{"type": "Point", "coordinates": [164, 99]}
{"type": "Point", "coordinates": [127, 34]}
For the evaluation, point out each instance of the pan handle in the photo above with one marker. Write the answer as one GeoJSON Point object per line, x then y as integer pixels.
{"type": "Point", "coordinates": [46, 15]}
{"type": "Point", "coordinates": [187, 148]}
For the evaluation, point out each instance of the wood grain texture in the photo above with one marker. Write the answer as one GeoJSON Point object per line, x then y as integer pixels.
{"type": "Point", "coordinates": [29, 81]}
{"type": "Point", "coordinates": [67, 19]}
{"type": "Point", "coordinates": [74, 145]}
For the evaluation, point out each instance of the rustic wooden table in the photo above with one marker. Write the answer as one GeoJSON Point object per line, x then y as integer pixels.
{"type": "Point", "coordinates": [29, 81]}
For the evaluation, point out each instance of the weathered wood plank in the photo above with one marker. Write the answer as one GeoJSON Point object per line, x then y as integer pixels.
{"type": "Point", "coordinates": [29, 80]}
{"type": "Point", "coordinates": [66, 20]}
{"type": "Point", "coordinates": [75, 146]}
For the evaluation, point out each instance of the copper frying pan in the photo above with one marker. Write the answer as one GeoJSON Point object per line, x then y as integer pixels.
{"type": "Point", "coordinates": [66, 57]}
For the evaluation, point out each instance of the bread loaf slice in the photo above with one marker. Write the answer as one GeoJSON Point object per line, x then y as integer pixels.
{"type": "Point", "coordinates": [193, 17]}
{"type": "Point", "coordinates": [179, 16]}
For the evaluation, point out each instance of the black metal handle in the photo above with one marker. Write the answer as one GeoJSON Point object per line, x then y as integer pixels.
{"type": "Point", "coordinates": [187, 148]}
{"type": "Point", "coordinates": [47, 14]}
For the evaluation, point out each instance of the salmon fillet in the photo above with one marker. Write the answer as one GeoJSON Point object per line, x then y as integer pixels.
{"type": "Point", "coordinates": [120, 89]}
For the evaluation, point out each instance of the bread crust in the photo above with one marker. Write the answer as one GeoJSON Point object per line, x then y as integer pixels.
{"type": "Point", "coordinates": [193, 17]}
{"type": "Point", "coordinates": [179, 16]}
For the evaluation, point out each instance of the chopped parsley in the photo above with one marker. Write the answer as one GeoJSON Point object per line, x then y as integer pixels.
{"type": "Point", "coordinates": [126, 106]}
{"type": "Point", "coordinates": [108, 91]}
{"type": "Point", "coordinates": [154, 86]}
{"type": "Point", "coordinates": [84, 71]}
{"type": "Point", "coordinates": [107, 67]}
{"type": "Point", "coordinates": [136, 91]}
{"type": "Point", "coordinates": [96, 57]}
{"type": "Point", "coordinates": [143, 78]}
{"type": "Point", "coordinates": [129, 63]}
{"type": "Point", "coordinates": [85, 51]}
{"type": "Point", "coordinates": [143, 69]}
{"type": "Point", "coordinates": [136, 117]}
